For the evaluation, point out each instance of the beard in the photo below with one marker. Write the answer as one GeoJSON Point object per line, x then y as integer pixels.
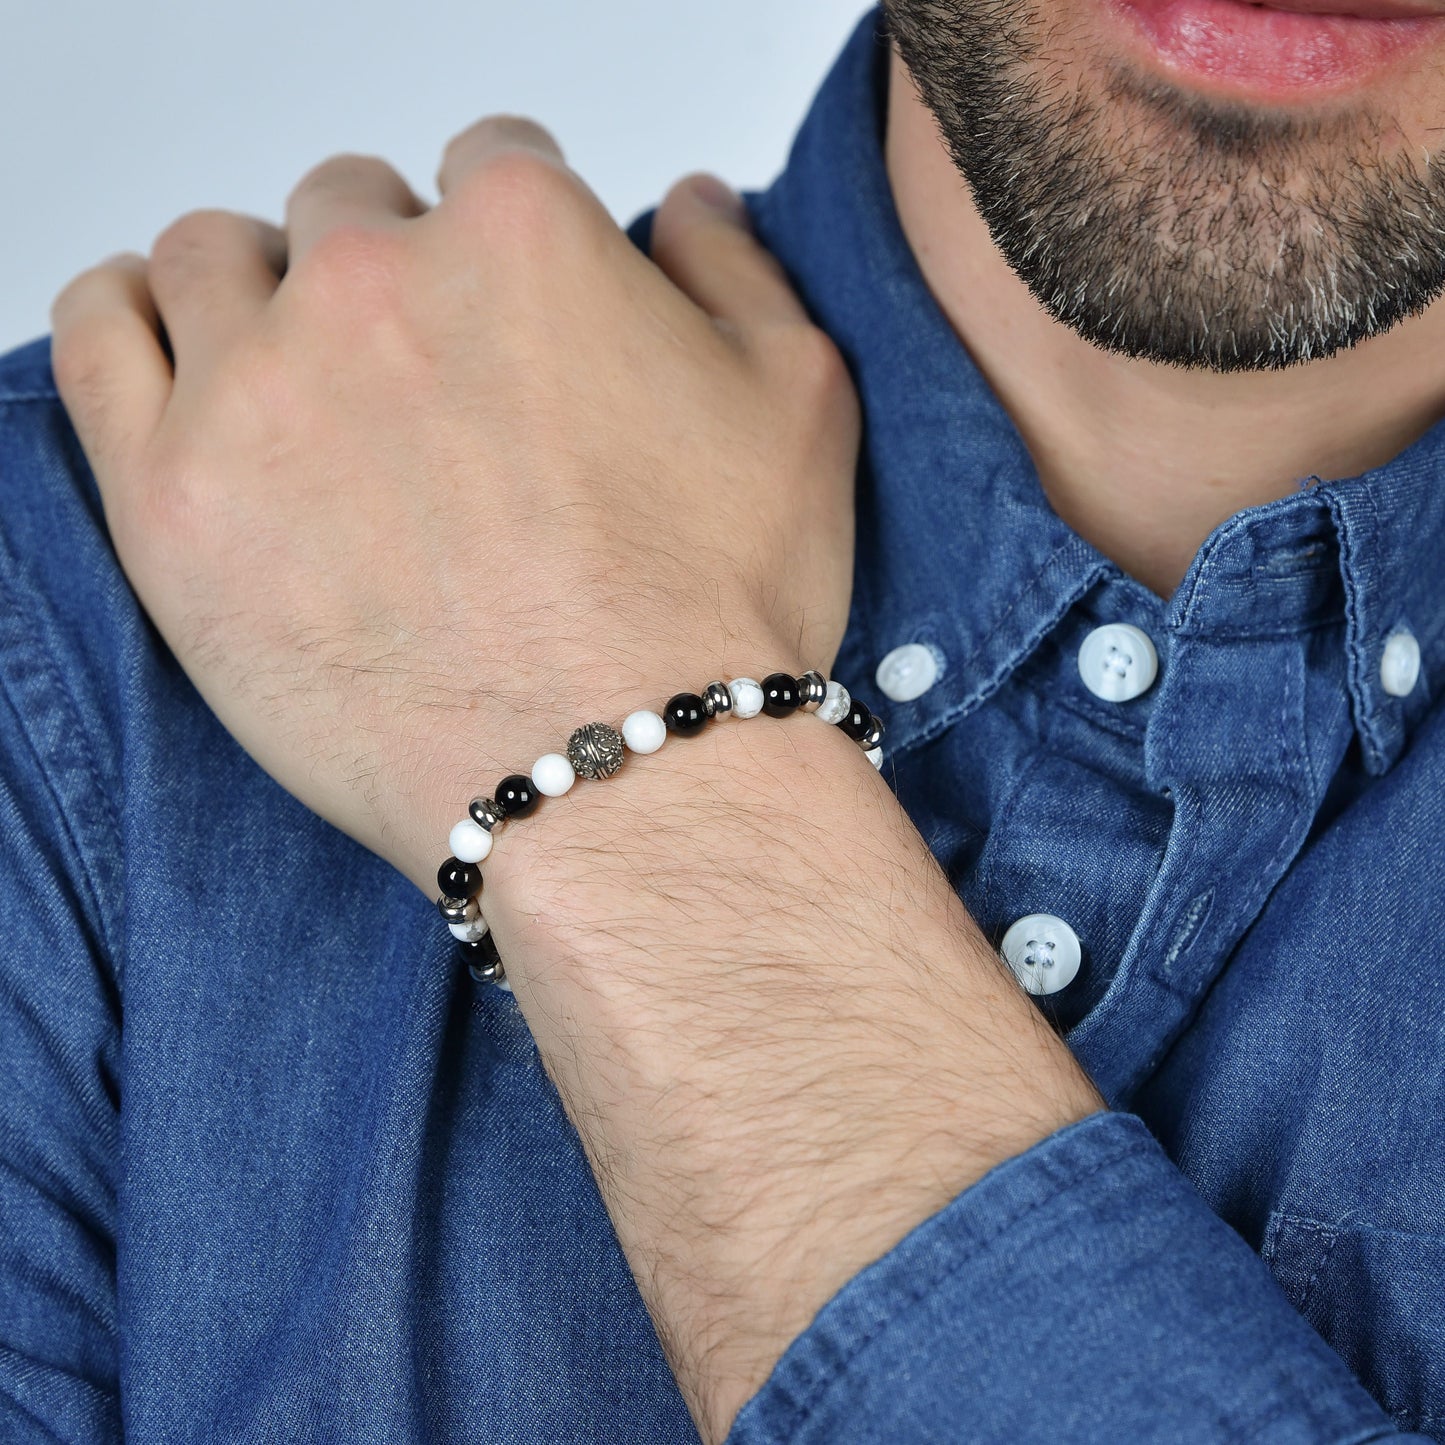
{"type": "Point", "coordinates": [1168, 227]}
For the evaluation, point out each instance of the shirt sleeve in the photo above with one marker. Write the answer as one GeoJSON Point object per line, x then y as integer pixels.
{"type": "Point", "coordinates": [1083, 1291]}
{"type": "Point", "coordinates": [59, 991]}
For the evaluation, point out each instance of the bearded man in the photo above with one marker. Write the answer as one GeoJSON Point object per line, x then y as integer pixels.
{"type": "Point", "coordinates": [1073, 400]}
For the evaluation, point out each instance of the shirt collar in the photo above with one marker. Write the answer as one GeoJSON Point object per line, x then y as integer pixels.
{"type": "Point", "coordinates": [958, 546]}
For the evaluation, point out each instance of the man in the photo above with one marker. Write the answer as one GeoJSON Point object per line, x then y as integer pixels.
{"type": "Point", "coordinates": [1159, 713]}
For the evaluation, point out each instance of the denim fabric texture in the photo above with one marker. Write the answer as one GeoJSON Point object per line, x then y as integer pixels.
{"type": "Point", "coordinates": [273, 1169]}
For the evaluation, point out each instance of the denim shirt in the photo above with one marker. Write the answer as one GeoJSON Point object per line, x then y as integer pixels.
{"type": "Point", "coordinates": [272, 1168]}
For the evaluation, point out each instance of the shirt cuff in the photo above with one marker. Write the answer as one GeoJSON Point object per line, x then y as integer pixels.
{"type": "Point", "coordinates": [1082, 1291]}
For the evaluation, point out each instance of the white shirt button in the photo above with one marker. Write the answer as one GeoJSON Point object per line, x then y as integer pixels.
{"type": "Point", "coordinates": [1118, 662]}
{"type": "Point", "coordinates": [1043, 952]}
{"type": "Point", "coordinates": [1400, 664]}
{"type": "Point", "coordinates": [907, 672]}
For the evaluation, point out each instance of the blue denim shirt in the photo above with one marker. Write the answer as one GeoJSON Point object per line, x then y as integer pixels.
{"type": "Point", "coordinates": [273, 1169]}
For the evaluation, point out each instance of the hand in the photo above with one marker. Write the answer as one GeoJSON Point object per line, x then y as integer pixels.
{"type": "Point", "coordinates": [466, 476]}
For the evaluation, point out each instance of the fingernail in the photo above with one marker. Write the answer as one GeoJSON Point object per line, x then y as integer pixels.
{"type": "Point", "coordinates": [713, 192]}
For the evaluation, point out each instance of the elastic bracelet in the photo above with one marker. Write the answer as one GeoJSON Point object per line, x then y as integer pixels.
{"type": "Point", "coordinates": [597, 750]}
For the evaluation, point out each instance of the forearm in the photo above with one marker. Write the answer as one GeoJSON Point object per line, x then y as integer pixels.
{"type": "Point", "coordinates": [782, 1039]}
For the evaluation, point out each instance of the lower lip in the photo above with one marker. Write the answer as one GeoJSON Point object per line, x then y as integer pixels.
{"type": "Point", "coordinates": [1273, 51]}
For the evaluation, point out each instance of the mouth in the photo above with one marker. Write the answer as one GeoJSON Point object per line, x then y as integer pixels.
{"type": "Point", "coordinates": [1287, 49]}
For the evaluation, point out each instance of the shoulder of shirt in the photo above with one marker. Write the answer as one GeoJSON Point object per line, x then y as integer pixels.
{"type": "Point", "coordinates": [639, 231]}
{"type": "Point", "coordinates": [25, 373]}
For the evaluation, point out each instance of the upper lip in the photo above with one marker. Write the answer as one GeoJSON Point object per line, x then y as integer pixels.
{"type": "Point", "coordinates": [1365, 9]}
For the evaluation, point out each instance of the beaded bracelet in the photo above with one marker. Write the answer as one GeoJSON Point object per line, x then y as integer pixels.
{"type": "Point", "coordinates": [595, 750]}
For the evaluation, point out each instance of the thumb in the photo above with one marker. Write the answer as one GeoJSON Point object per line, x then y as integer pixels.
{"type": "Point", "coordinates": [702, 241]}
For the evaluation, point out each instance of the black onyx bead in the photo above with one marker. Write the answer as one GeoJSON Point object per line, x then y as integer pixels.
{"type": "Point", "coordinates": [858, 722]}
{"type": "Point", "coordinates": [685, 714]}
{"type": "Point", "coordinates": [458, 879]}
{"type": "Point", "coordinates": [781, 694]}
{"type": "Point", "coordinates": [516, 796]}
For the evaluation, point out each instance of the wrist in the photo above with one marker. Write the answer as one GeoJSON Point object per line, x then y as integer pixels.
{"type": "Point", "coordinates": [782, 1039]}
{"type": "Point", "coordinates": [460, 749]}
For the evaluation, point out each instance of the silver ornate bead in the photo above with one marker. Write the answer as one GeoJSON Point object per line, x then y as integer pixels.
{"type": "Point", "coordinates": [595, 750]}
{"type": "Point", "coordinates": [486, 814]}
{"type": "Point", "coordinates": [812, 689]}
{"type": "Point", "coordinates": [454, 910]}
{"type": "Point", "coordinates": [874, 736]}
{"type": "Point", "coordinates": [717, 700]}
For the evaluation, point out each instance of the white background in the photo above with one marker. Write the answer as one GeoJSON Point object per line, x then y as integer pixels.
{"type": "Point", "coordinates": [117, 117]}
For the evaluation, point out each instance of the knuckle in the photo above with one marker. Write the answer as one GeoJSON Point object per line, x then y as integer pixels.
{"type": "Point", "coordinates": [676, 205]}
{"type": "Point", "coordinates": [349, 171]}
{"type": "Point", "coordinates": [516, 193]}
{"type": "Point", "coordinates": [78, 354]}
{"type": "Point", "coordinates": [70, 298]}
{"type": "Point", "coordinates": [670, 229]}
{"type": "Point", "coordinates": [817, 365]}
{"type": "Point", "coordinates": [183, 247]}
{"type": "Point", "coordinates": [501, 131]}
{"type": "Point", "coordinates": [351, 264]}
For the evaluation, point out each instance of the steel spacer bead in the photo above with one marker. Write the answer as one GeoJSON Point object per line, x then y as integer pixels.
{"type": "Point", "coordinates": [487, 972]}
{"type": "Point", "coordinates": [485, 813]}
{"type": "Point", "coordinates": [717, 699]}
{"type": "Point", "coordinates": [595, 750]}
{"type": "Point", "coordinates": [454, 910]}
{"type": "Point", "coordinates": [484, 963]}
{"type": "Point", "coordinates": [874, 736]}
{"type": "Point", "coordinates": [812, 689]}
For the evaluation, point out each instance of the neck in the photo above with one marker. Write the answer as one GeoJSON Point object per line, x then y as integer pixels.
{"type": "Point", "coordinates": [1142, 460]}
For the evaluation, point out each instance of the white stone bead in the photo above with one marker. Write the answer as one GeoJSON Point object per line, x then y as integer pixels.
{"type": "Point", "coordinates": [747, 696]}
{"type": "Point", "coordinates": [553, 775]}
{"type": "Point", "coordinates": [644, 731]}
{"type": "Point", "coordinates": [473, 928]}
{"type": "Point", "coordinates": [837, 705]}
{"type": "Point", "coordinates": [875, 756]}
{"type": "Point", "coordinates": [469, 842]}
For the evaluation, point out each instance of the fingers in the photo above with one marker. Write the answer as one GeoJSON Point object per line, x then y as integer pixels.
{"type": "Point", "coordinates": [211, 273]}
{"type": "Point", "coordinates": [109, 364]}
{"type": "Point", "coordinates": [474, 147]}
{"type": "Point", "coordinates": [346, 190]}
{"type": "Point", "coordinates": [702, 241]}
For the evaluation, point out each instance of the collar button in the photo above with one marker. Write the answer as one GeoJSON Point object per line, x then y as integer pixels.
{"type": "Point", "coordinates": [1118, 662]}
